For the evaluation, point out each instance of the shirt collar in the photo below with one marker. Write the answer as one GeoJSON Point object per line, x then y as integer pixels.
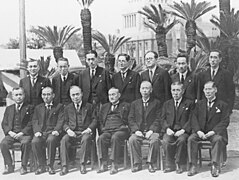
{"type": "Point", "coordinates": [80, 103]}
{"type": "Point", "coordinates": [215, 70]}
{"type": "Point", "coordinates": [116, 103]}
{"type": "Point", "coordinates": [184, 74]}
{"type": "Point", "coordinates": [179, 101]}
{"type": "Point", "coordinates": [33, 77]}
{"type": "Point", "coordinates": [125, 71]}
{"type": "Point", "coordinates": [20, 105]}
{"type": "Point", "coordinates": [51, 104]}
{"type": "Point", "coordinates": [145, 101]}
{"type": "Point", "coordinates": [153, 69]}
{"type": "Point", "coordinates": [62, 77]}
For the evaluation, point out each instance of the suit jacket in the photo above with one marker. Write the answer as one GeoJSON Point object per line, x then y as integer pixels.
{"type": "Point", "coordinates": [54, 122]}
{"type": "Point", "coordinates": [129, 88]}
{"type": "Point", "coordinates": [124, 112]}
{"type": "Point", "coordinates": [26, 113]}
{"type": "Point", "coordinates": [152, 115]}
{"type": "Point", "coordinates": [184, 110]}
{"type": "Point", "coordinates": [218, 117]}
{"type": "Point", "coordinates": [41, 82]}
{"type": "Point", "coordinates": [161, 83]}
{"type": "Point", "coordinates": [57, 84]}
{"type": "Point", "coordinates": [101, 84]}
{"type": "Point", "coordinates": [190, 85]}
{"type": "Point", "coordinates": [88, 117]}
{"type": "Point", "coordinates": [224, 82]}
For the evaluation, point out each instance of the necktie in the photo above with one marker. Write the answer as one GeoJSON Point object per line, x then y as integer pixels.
{"type": "Point", "coordinates": [123, 75]}
{"type": "Point", "coordinates": [213, 74]}
{"type": "Point", "coordinates": [33, 80]}
{"type": "Point", "coordinates": [92, 73]}
{"type": "Point", "coordinates": [151, 75]}
{"type": "Point", "coordinates": [209, 105]}
{"type": "Point", "coordinates": [182, 79]}
{"type": "Point", "coordinates": [113, 107]}
{"type": "Point", "coordinates": [17, 107]}
{"type": "Point", "coordinates": [176, 105]}
{"type": "Point", "coordinates": [64, 78]}
{"type": "Point", "coordinates": [145, 105]}
{"type": "Point", "coordinates": [78, 107]}
{"type": "Point", "coordinates": [48, 108]}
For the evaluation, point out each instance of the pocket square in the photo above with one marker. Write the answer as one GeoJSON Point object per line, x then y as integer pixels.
{"type": "Point", "coordinates": [218, 110]}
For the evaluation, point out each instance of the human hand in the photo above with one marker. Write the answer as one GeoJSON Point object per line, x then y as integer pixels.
{"type": "Point", "coordinates": [179, 133]}
{"type": "Point", "coordinates": [55, 133]}
{"type": "Point", "coordinates": [209, 134]}
{"type": "Point", "coordinates": [12, 134]}
{"type": "Point", "coordinates": [148, 134]}
{"type": "Point", "coordinates": [18, 135]}
{"type": "Point", "coordinates": [88, 131]}
{"type": "Point", "coordinates": [38, 134]}
{"type": "Point", "coordinates": [71, 133]}
{"type": "Point", "coordinates": [201, 135]}
{"type": "Point", "coordinates": [169, 132]}
{"type": "Point", "coordinates": [139, 133]}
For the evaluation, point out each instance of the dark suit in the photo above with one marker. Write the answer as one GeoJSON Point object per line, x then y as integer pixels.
{"type": "Point", "coordinates": [144, 121]}
{"type": "Point", "coordinates": [161, 84]}
{"type": "Point", "coordinates": [40, 83]}
{"type": "Point", "coordinates": [224, 83]}
{"type": "Point", "coordinates": [45, 125]}
{"type": "Point", "coordinates": [88, 120]}
{"type": "Point", "coordinates": [25, 114]}
{"type": "Point", "coordinates": [176, 119]}
{"type": "Point", "coordinates": [129, 87]}
{"type": "Point", "coordinates": [190, 85]}
{"type": "Point", "coordinates": [217, 120]}
{"type": "Point", "coordinates": [95, 90]}
{"type": "Point", "coordinates": [58, 86]}
{"type": "Point", "coordinates": [115, 132]}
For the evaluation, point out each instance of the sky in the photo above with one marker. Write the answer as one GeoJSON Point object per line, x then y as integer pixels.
{"type": "Point", "coordinates": [106, 15]}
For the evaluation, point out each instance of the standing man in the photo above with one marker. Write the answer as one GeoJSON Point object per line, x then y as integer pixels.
{"type": "Point", "coordinates": [176, 123]}
{"type": "Point", "coordinates": [47, 123]}
{"type": "Point", "coordinates": [62, 82]}
{"type": "Point", "coordinates": [187, 78]}
{"type": "Point", "coordinates": [209, 122]}
{"type": "Point", "coordinates": [223, 80]}
{"type": "Point", "coordinates": [158, 77]}
{"type": "Point", "coordinates": [16, 125]}
{"type": "Point", "coordinates": [34, 83]}
{"type": "Point", "coordinates": [144, 123]}
{"type": "Point", "coordinates": [94, 81]}
{"type": "Point", "coordinates": [126, 80]}
{"type": "Point", "coordinates": [113, 120]}
{"type": "Point", "coordinates": [80, 124]}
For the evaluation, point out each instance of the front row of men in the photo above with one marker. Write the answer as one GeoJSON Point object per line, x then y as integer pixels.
{"type": "Point", "coordinates": [182, 124]}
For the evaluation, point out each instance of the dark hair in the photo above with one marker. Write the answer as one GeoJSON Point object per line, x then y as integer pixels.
{"type": "Point", "coordinates": [181, 54]}
{"type": "Point", "coordinates": [63, 59]}
{"type": "Point", "coordinates": [127, 57]}
{"type": "Point", "coordinates": [178, 83]}
{"type": "Point", "coordinates": [218, 51]}
{"type": "Point", "coordinates": [155, 54]}
{"type": "Point", "coordinates": [18, 88]}
{"type": "Point", "coordinates": [92, 52]}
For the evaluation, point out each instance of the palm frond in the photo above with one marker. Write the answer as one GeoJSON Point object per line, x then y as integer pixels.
{"type": "Point", "coordinates": [98, 36]}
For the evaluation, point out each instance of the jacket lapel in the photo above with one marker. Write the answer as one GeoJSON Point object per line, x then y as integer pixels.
{"type": "Point", "coordinates": [84, 112]}
{"type": "Point", "coordinates": [150, 107]}
{"type": "Point", "coordinates": [107, 109]}
{"type": "Point", "coordinates": [156, 74]}
{"type": "Point", "coordinates": [188, 79]}
{"type": "Point", "coordinates": [11, 115]}
{"type": "Point", "coordinates": [213, 111]}
{"type": "Point", "coordinates": [23, 111]}
{"type": "Point", "coordinates": [86, 78]}
{"type": "Point", "coordinates": [218, 76]}
{"type": "Point", "coordinates": [203, 111]}
{"type": "Point", "coordinates": [181, 108]}
{"type": "Point", "coordinates": [127, 79]}
{"type": "Point", "coordinates": [97, 77]}
{"type": "Point", "coordinates": [172, 110]}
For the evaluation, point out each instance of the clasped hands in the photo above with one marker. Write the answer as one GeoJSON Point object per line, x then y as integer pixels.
{"type": "Point", "coordinates": [54, 133]}
{"type": "Point", "coordinates": [15, 135]}
{"type": "Point", "coordinates": [204, 136]}
{"type": "Point", "coordinates": [73, 134]}
{"type": "Point", "coordinates": [147, 134]}
{"type": "Point", "coordinates": [178, 133]}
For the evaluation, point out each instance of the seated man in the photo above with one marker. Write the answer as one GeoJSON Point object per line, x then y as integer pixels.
{"type": "Point", "coordinates": [113, 120]}
{"type": "Point", "coordinates": [80, 124]}
{"type": "Point", "coordinates": [16, 125]}
{"type": "Point", "coordinates": [175, 117]}
{"type": "Point", "coordinates": [209, 122]}
{"type": "Point", "coordinates": [144, 123]}
{"type": "Point", "coordinates": [47, 127]}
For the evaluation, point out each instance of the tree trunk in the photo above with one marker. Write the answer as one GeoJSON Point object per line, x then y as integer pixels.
{"type": "Point", "coordinates": [86, 25]}
{"type": "Point", "coordinates": [224, 6]}
{"type": "Point", "coordinates": [110, 63]}
{"type": "Point", "coordinates": [161, 41]}
{"type": "Point", "coordinates": [190, 30]}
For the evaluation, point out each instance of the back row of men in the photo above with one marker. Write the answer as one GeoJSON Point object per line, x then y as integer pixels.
{"type": "Point", "coordinates": [144, 118]}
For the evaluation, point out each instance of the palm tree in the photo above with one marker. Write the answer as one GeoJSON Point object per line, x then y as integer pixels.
{"type": "Point", "coordinates": [57, 38]}
{"type": "Point", "coordinates": [86, 23]}
{"type": "Point", "coordinates": [158, 21]}
{"type": "Point", "coordinates": [191, 12]}
{"type": "Point", "coordinates": [111, 46]}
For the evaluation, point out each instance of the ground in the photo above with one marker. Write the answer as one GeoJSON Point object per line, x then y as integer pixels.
{"type": "Point", "coordinates": [230, 172]}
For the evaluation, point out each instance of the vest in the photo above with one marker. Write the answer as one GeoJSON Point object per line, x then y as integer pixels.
{"type": "Point", "coordinates": [17, 122]}
{"type": "Point", "coordinates": [79, 121]}
{"type": "Point", "coordinates": [64, 95]}
{"type": "Point", "coordinates": [34, 99]}
{"type": "Point", "coordinates": [113, 120]}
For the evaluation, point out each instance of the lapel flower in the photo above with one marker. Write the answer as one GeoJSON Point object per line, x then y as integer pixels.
{"type": "Point", "coordinates": [186, 108]}
{"type": "Point", "coordinates": [218, 110]}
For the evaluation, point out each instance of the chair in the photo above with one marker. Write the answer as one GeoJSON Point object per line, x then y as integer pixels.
{"type": "Point", "coordinates": [125, 155]}
{"type": "Point", "coordinates": [93, 152]}
{"type": "Point", "coordinates": [206, 145]}
{"type": "Point", "coordinates": [159, 162]}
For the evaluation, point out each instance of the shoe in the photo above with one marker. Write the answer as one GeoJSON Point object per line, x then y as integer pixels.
{"type": "Point", "coordinates": [214, 171]}
{"type": "Point", "coordinates": [51, 170]}
{"type": "Point", "coordinates": [23, 170]}
{"type": "Point", "coordinates": [113, 169]}
{"type": "Point", "coordinates": [151, 168]}
{"type": "Point", "coordinates": [179, 169]}
{"type": "Point", "coordinates": [137, 167]}
{"type": "Point", "coordinates": [64, 171]}
{"type": "Point", "coordinates": [224, 163]}
{"type": "Point", "coordinates": [40, 170]}
{"type": "Point", "coordinates": [82, 169]}
{"type": "Point", "coordinates": [192, 171]}
{"type": "Point", "coordinates": [9, 169]}
{"type": "Point", "coordinates": [169, 169]}
{"type": "Point", "coordinates": [103, 168]}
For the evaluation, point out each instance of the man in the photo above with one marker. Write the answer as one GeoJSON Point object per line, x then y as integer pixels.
{"type": "Point", "coordinates": [144, 123]}
{"type": "Point", "coordinates": [94, 81]}
{"type": "Point", "coordinates": [33, 83]}
{"type": "Point", "coordinates": [158, 77]}
{"type": "Point", "coordinates": [222, 78]}
{"type": "Point", "coordinates": [209, 122]}
{"type": "Point", "coordinates": [187, 78]}
{"type": "Point", "coordinates": [16, 125]}
{"type": "Point", "coordinates": [126, 80]}
{"type": "Point", "coordinates": [47, 123]}
{"type": "Point", "coordinates": [80, 124]}
{"type": "Point", "coordinates": [113, 120]}
{"type": "Point", "coordinates": [62, 82]}
{"type": "Point", "coordinates": [176, 123]}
